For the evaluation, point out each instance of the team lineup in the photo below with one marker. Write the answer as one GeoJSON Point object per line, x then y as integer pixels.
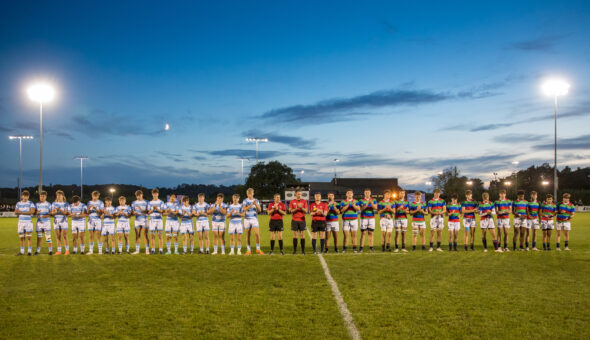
{"type": "Point", "coordinates": [109, 226]}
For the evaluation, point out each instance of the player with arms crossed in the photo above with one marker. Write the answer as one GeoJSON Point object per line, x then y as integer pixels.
{"type": "Point", "coordinates": [276, 211]}
{"type": "Point", "coordinates": [251, 207]}
{"type": "Point", "coordinates": [95, 207]}
{"type": "Point", "coordinates": [548, 211]}
{"type": "Point", "coordinates": [454, 222]}
{"type": "Point", "coordinates": [368, 206]}
{"type": "Point", "coordinates": [468, 208]}
{"type": "Point", "coordinates": [418, 209]}
{"type": "Point", "coordinates": [318, 213]}
{"type": "Point", "coordinates": [156, 225]}
{"type": "Point", "coordinates": [59, 211]}
{"type": "Point", "coordinates": [218, 211]}
{"type": "Point", "coordinates": [172, 224]}
{"type": "Point", "coordinates": [186, 224]}
{"type": "Point", "coordinates": [503, 208]}
{"type": "Point", "coordinates": [386, 209]}
{"type": "Point", "coordinates": [332, 222]}
{"type": "Point", "coordinates": [200, 209]}
{"type": "Point", "coordinates": [533, 219]}
{"type": "Point", "coordinates": [108, 228]}
{"type": "Point", "coordinates": [123, 212]}
{"type": "Point", "coordinates": [349, 209]}
{"type": "Point", "coordinates": [298, 208]}
{"type": "Point", "coordinates": [565, 213]}
{"type": "Point", "coordinates": [235, 213]}
{"type": "Point", "coordinates": [436, 208]}
{"type": "Point", "coordinates": [401, 220]}
{"type": "Point", "coordinates": [486, 222]}
{"type": "Point", "coordinates": [519, 210]}
{"type": "Point", "coordinates": [77, 210]}
{"type": "Point", "coordinates": [43, 211]}
{"type": "Point", "coordinates": [140, 208]}
{"type": "Point", "coordinates": [24, 209]}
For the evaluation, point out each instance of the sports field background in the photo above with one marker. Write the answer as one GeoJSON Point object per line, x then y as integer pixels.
{"type": "Point", "coordinates": [390, 295]}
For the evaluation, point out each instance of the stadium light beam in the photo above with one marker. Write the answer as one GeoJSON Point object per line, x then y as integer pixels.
{"type": "Point", "coordinates": [20, 160]}
{"type": "Point", "coordinates": [81, 158]}
{"type": "Point", "coordinates": [112, 191]}
{"type": "Point", "coordinates": [41, 93]}
{"type": "Point", "coordinates": [555, 88]}
{"type": "Point", "coordinates": [469, 182]}
{"type": "Point", "coordinates": [545, 183]}
{"type": "Point", "coordinates": [257, 140]}
{"type": "Point", "coordinates": [507, 183]}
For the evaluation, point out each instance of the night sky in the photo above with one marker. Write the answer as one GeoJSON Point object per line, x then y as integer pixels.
{"type": "Point", "coordinates": [392, 89]}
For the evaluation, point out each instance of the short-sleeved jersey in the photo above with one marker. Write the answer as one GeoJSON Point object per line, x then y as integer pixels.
{"type": "Point", "coordinates": [437, 205]}
{"type": "Point", "coordinates": [25, 207]}
{"type": "Point", "coordinates": [185, 212]}
{"type": "Point", "coordinates": [386, 204]}
{"type": "Point", "coordinates": [126, 210]}
{"type": "Point", "coordinates": [201, 208]}
{"type": "Point", "coordinates": [298, 215]}
{"type": "Point", "coordinates": [454, 212]}
{"type": "Point", "coordinates": [140, 209]}
{"type": "Point", "coordinates": [519, 208]}
{"type": "Point", "coordinates": [414, 207]}
{"type": "Point", "coordinates": [252, 212]}
{"type": "Point", "coordinates": [217, 216]}
{"type": "Point", "coordinates": [157, 204]}
{"type": "Point", "coordinates": [485, 207]}
{"type": "Point", "coordinates": [350, 213]}
{"type": "Point", "coordinates": [61, 210]}
{"type": "Point", "coordinates": [42, 210]}
{"type": "Point", "coordinates": [533, 210]}
{"type": "Point", "coordinates": [234, 211]}
{"type": "Point", "coordinates": [368, 212]}
{"type": "Point", "coordinates": [75, 210]}
{"type": "Point", "coordinates": [94, 208]}
{"type": "Point", "coordinates": [172, 208]}
{"type": "Point", "coordinates": [275, 214]}
{"type": "Point", "coordinates": [109, 217]}
{"type": "Point", "coordinates": [400, 209]}
{"type": "Point", "coordinates": [503, 208]}
{"type": "Point", "coordinates": [565, 212]}
{"type": "Point", "coordinates": [470, 208]}
{"type": "Point", "coordinates": [314, 207]}
{"type": "Point", "coordinates": [548, 211]}
{"type": "Point", "coordinates": [332, 215]}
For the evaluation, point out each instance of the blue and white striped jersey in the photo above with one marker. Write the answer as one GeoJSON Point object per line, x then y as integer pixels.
{"type": "Point", "coordinates": [61, 209]}
{"type": "Point", "coordinates": [186, 212]}
{"type": "Point", "coordinates": [217, 215]}
{"type": "Point", "coordinates": [201, 208]}
{"type": "Point", "coordinates": [23, 207]}
{"type": "Point", "coordinates": [157, 204]}
{"type": "Point", "coordinates": [125, 209]}
{"type": "Point", "coordinates": [109, 217]}
{"type": "Point", "coordinates": [173, 213]}
{"type": "Point", "coordinates": [140, 209]}
{"type": "Point", "coordinates": [252, 212]}
{"type": "Point", "coordinates": [234, 211]}
{"type": "Point", "coordinates": [42, 210]}
{"type": "Point", "coordinates": [76, 209]}
{"type": "Point", "coordinates": [94, 209]}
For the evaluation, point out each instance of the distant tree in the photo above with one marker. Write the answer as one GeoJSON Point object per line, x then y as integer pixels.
{"type": "Point", "coordinates": [269, 178]}
{"type": "Point", "coordinates": [450, 181]}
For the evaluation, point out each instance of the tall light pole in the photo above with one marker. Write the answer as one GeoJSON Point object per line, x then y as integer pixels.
{"type": "Point", "coordinates": [243, 159]}
{"type": "Point", "coordinates": [20, 160]}
{"type": "Point", "coordinates": [41, 93]}
{"type": "Point", "coordinates": [257, 140]}
{"type": "Point", "coordinates": [81, 158]}
{"type": "Point", "coordinates": [336, 160]}
{"type": "Point", "coordinates": [555, 88]}
{"type": "Point", "coordinates": [515, 163]}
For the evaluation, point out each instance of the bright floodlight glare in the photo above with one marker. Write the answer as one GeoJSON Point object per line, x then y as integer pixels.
{"type": "Point", "coordinates": [440, 172]}
{"type": "Point", "coordinates": [302, 172]}
{"type": "Point", "coordinates": [41, 92]}
{"type": "Point", "coordinates": [428, 183]}
{"type": "Point", "coordinates": [167, 127]}
{"type": "Point", "coordinates": [515, 162]}
{"type": "Point", "coordinates": [545, 182]}
{"type": "Point", "coordinates": [20, 137]}
{"type": "Point", "coordinates": [469, 182]}
{"type": "Point", "coordinates": [112, 190]}
{"type": "Point", "coordinates": [508, 183]}
{"type": "Point", "coordinates": [556, 87]}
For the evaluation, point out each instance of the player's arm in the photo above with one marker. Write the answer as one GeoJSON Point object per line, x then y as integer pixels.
{"type": "Point", "coordinates": [281, 212]}
{"type": "Point", "coordinates": [211, 209]}
{"type": "Point", "coordinates": [258, 208]}
{"type": "Point", "coordinates": [356, 207]}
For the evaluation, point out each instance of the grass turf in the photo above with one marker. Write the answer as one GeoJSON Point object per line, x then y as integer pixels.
{"type": "Point", "coordinates": [419, 294]}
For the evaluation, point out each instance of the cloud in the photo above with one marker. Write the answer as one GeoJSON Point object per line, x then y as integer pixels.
{"type": "Point", "coordinates": [512, 138]}
{"type": "Point", "coordinates": [576, 143]}
{"type": "Point", "coordinates": [100, 122]}
{"type": "Point", "coordinates": [294, 142]}
{"type": "Point", "coordinates": [241, 153]}
{"type": "Point", "coordinates": [540, 44]}
{"type": "Point", "coordinates": [486, 127]}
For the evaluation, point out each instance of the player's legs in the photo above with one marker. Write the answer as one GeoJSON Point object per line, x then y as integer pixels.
{"type": "Point", "coordinates": [566, 238]}
{"type": "Point", "coordinates": [558, 236]}
{"type": "Point", "coordinates": [472, 235]}
{"type": "Point", "coordinates": [521, 235]}
{"type": "Point", "coordinates": [200, 237]}
{"type": "Point", "coordinates": [206, 240]}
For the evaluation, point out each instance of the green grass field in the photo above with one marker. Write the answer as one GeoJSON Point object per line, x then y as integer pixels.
{"type": "Point", "coordinates": [390, 295]}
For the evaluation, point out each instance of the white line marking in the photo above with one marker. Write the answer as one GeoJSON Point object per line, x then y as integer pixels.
{"type": "Point", "coordinates": [344, 312]}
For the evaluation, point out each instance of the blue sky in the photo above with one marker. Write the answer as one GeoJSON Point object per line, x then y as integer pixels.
{"type": "Point", "coordinates": [392, 89]}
